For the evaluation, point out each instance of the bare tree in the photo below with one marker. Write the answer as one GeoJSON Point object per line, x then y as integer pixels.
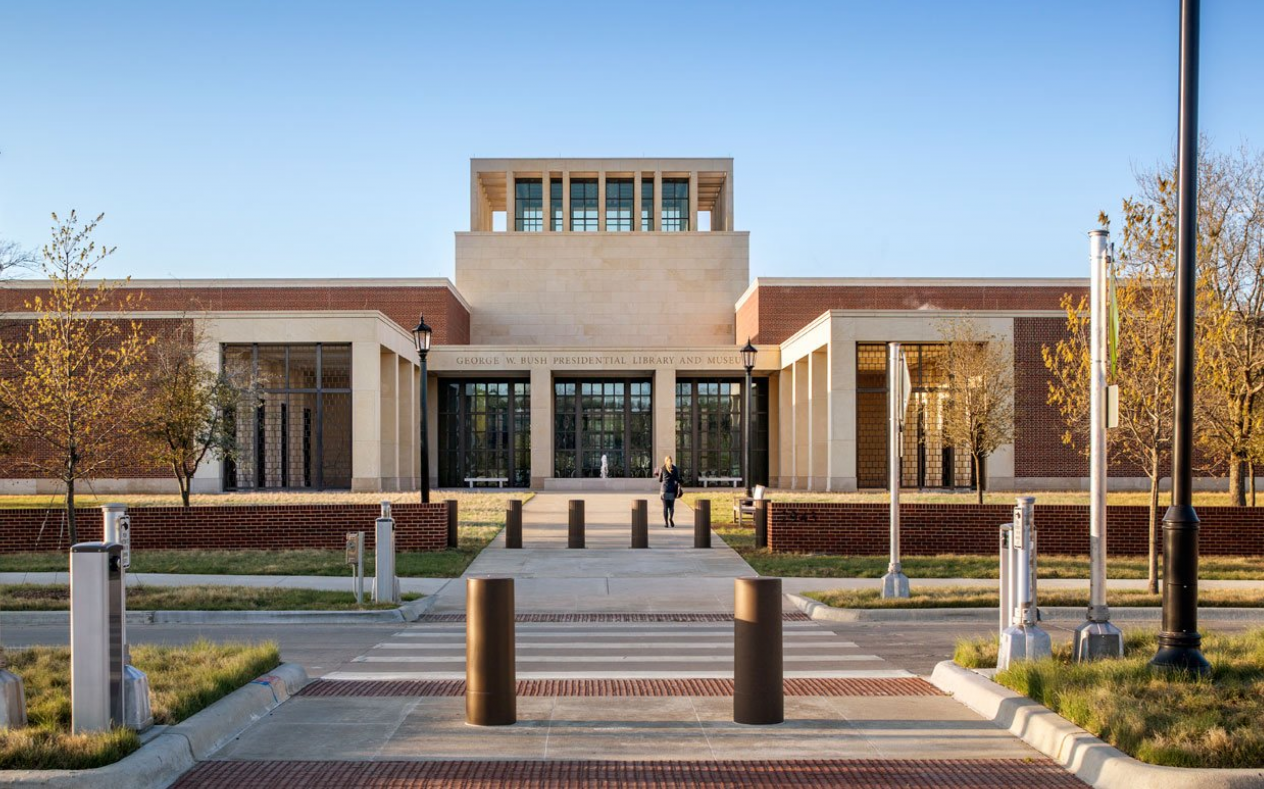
{"type": "Point", "coordinates": [14, 258]}
{"type": "Point", "coordinates": [979, 413]}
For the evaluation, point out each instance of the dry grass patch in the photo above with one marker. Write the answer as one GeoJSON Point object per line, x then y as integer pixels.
{"type": "Point", "coordinates": [983, 597]}
{"type": "Point", "coordinates": [1169, 719]}
{"type": "Point", "coordinates": [183, 680]}
{"type": "Point", "coordinates": [55, 597]}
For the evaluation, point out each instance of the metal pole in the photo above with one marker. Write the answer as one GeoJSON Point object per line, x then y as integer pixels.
{"type": "Point", "coordinates": [758, 693]}
{"type": "Point", "coordinates": [425, 435]}
{"type": "Point", "coordinates": [895, 583]}
{"type": "Point", "coordinates": [746, 434]}
{"type": "Point", "coordinates": [1179, 640]}
{"type": "Point", "coordinates": [1097, 637]}
{"type": "Point", "coordinates": [491, 688]}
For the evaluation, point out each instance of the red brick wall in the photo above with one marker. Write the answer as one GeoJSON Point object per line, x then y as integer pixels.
{"type": "Point", "coordinates": [401, 303]}
{"type": "Point", "coordinates": [418, 527]}
{"type": "Point", "coordinates": [775, 312]}
{"type": "Point", "coordinates": [1038, 427]}
{"type": "Point", "coordinates": [927, 529]}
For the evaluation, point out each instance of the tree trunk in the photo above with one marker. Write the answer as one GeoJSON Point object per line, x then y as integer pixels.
{"type": "Point", "coordinates": [183, 481]}
{"type": "Point", "coordinates": [70, 511]}
{"type": "Point", "coordinates": [978, 476]}
{"type": "Point", "coordinates": [1237, 490]}
{"type": "Point", "coordinates": [1250, 479]}
{"type": "Point", "coordinates": [1152, 566]}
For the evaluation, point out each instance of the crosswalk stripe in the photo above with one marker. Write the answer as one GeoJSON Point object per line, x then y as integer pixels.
{"type": "Point", "coordinates": [608, 645]}
{"type": "Point", "coordinates": [460, 659]}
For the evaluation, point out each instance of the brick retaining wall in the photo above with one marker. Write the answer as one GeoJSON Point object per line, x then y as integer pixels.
{"type": "Point", "coordinates": [928, 529]}
{"type": "Point", "coordinates": [418, 527]}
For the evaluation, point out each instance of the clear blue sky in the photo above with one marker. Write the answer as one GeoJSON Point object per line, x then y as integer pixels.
{"type": "Point", "coordinates": [332, 139]}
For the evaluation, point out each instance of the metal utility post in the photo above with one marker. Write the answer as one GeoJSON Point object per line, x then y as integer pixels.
{"type": "Point", "coordinates": [137, 713]}
{"type": "Point", "coordinates": [1179, 640]}
{"type": "Point", "coordinates": [12, 697]}
{"type": "Point", "coordinates": [1097, 637]}
{"type": "Point", "coordinates": [895, 583]}
{"type": "Point", "coordinates": [1023, 639]}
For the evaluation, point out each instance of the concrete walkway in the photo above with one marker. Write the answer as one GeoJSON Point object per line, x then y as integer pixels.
{"type": "Point", "coordinates": [607, 575]}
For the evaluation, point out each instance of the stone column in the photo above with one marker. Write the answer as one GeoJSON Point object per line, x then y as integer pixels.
{"type": "Point", "coordinates": [541, 425]}
{"type": "Point", "coordinates": [656, 221]}
{"type": "Point", "coordinates": [818, 374]}
{"type": "Point", "coordinates": [389, 411]}
{"type": "Point", "coordinates": [693, 200]}
{"type": "Point", "coordinates": [728, 201]}
{"type": "Point", "coordinates": [405, 428]}
{"type": "Point", "coordinates": [664, 398]}
{"type": "Point", "coordinates": [546, 202]}
{"type": "Point", "coordinates": [842, 406]}
{"type": "Point", "coordinates": [601, 202]}
{"type": "Point", "coordinates": [476, 202]}
{"type": "Point", "coordinates": [566, 201]}
{"type": "Point", "coordinates": [636, 201]}
{"type": "Point", "coordinates": [366, 437]}
{"type": "Point", "coordinates": [785, 427]}
{"type": "Point", "coordinates": [510, 197]}
{"type": "Point", "coordinates": [802, 426]}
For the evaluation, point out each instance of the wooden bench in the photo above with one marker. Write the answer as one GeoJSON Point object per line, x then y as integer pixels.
{"type": "Point", "coordinates": [734, 481]}
{"type": "Point", "coordinates": [745, 506]}
{"type": "Point", "coordinates": [500, 481]}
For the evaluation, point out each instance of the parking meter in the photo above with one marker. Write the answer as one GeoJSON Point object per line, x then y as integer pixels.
{"type": "Point", "coordinates": [117, 525]}
{"type": "Point", "coordinates": [96, 636]}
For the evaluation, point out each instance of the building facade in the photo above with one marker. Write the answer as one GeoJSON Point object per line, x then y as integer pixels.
{"type": "Point", "coordinates": [593, 327]}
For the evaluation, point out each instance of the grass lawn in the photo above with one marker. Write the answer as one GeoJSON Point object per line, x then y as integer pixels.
{"type": "Point", "coordinates": [815, 565]}
{"type": "Point", "coordinates": [972, 597]}
{"type": "Point", "coordinates": [722, 500]}
{"type": "Point", "coordinates": [482, 517]}
{"type": "Point", "coordinates": [1172, 720]}
{"type": "Point", "coordinates": [32, 597]}
{"type": "Point", "coordinates": [182, 680]}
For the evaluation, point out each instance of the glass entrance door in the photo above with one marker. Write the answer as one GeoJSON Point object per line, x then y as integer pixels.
{"type": "Point", "coordinates": [604, 418]}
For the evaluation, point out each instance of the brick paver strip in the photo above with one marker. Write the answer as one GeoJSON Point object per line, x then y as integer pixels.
{"type": "Point", "coordinates": [795, 616]}
{"type": "Point", "coordinates": [860, 773]}
{"type": "Point", "coordinates": [342, 688]}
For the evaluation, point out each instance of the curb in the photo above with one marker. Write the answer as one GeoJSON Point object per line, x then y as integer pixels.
{"type": "Point", "coordinates": [178, 748]}
{"type": "Point", "coordinates": [1080, 753]}
{"type": "Point", "coordinates": [822, 612]}
{"type": "Point", "coordinates": [407, 612]}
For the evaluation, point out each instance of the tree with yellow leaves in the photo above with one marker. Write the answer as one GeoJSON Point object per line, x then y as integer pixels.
{"type": "Point", "coordinates": [73, 389]}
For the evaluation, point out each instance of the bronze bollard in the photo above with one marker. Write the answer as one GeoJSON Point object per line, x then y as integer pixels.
{"type": "Point", "coordinates": [513, 524]}
{"type": "Point", "coordinates": [491, 688]}
{"type": "Point", "coordinates": [702, 523]}
{"type": "Point", "coordinates": [453, 541]}
{"type": "Point", "coordinates": [575, 533]}
{"type": "Point", "coordinates": [758, 696]}
{"type": "Point", "coordinates": [640, 524]}
{"type": "Point", "coordinates": [761, 523]}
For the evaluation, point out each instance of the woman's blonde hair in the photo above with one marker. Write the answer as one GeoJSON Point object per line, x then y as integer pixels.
{"type": "Point", "coordinates": [667, 463]}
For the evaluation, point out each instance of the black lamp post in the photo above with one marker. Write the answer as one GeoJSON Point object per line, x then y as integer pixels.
{"type": "Point", "coordinates": [421, 339]}
{"type": "Point", "coordinates": [748, 361]}
{"type": "Point", "coordinates": [1179, 639]}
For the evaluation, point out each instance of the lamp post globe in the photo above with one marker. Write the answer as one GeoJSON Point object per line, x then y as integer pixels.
{"type": "Point", "coordinates": [748, 361]}
{"type": "Point", "coordinates": [421, 341]}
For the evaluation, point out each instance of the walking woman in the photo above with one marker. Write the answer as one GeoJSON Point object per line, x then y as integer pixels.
{"type": "Point", "coordinates": [669, 488]}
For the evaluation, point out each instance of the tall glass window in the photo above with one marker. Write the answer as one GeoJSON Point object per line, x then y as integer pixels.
{"type": "Point", "coordinates": [292, 421]}
{"type": "Point", "coordinates": [709, 430]}
{"type": "Point", "coordinates": [619, 204]}
{"type": "Point", "coordinates": [555, 205]}
{"type": "Point", "coordinates": [584, 205]}
{"type": "Point", "coordinates": [647, 203]}
{"type": "Point", "coordinates": [528, 205]}
{"type": "Point", "coordinates": [610, 418]}
{"type": "Point", "coordinates": [484, 431]}
{"type": "Point", "coordinates": [928, 461]}
{"type": "Point", "coordinates": [675, 204]}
